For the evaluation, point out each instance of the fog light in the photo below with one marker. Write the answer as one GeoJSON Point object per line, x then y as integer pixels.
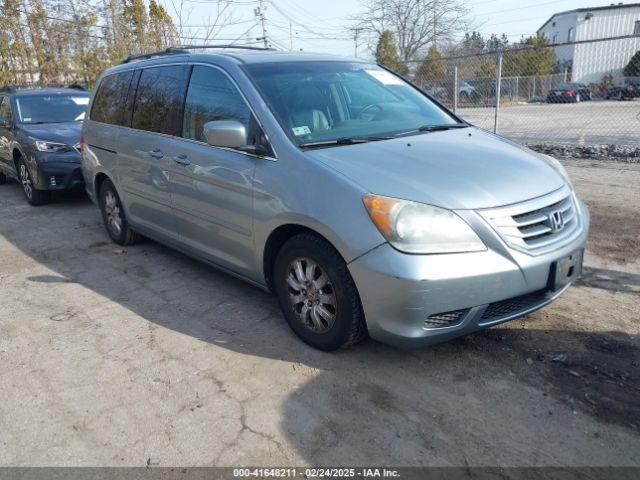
{"type": "Point", "coordinates": [52, 181]}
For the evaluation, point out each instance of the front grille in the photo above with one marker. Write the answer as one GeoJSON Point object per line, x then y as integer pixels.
{"type": "Point", "coordinates": [539, 224]}
{"type": "Point", "coordinates": [446, 319]}
{"type": "Point", "coordinates": [513, 306]}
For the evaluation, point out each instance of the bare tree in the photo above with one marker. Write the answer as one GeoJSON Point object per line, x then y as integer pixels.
{"type": "Point", "coordinates": [221, 15]}
{"type": "Point", "coordinates": [415, 24]}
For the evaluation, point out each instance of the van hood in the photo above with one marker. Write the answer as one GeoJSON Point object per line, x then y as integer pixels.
{"type": "Point", "coordinates": [67, 132]}
{"type": "Point", "coordinates": [465, 168]}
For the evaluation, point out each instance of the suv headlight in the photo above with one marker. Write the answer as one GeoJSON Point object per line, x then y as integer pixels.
{"type": "Point", "coordinates": [50, 147]}
{"type": "Point", "coordinates": [413, 227]}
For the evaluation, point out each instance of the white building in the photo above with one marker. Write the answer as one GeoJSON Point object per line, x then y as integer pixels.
{"type": "Point", "coordinates": [590, 62]}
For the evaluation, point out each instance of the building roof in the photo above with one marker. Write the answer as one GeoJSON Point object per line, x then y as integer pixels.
{"type": "Point", "coordinates": [592, 9]}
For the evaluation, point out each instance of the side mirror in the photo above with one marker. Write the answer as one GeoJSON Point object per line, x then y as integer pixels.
{"type": "Point", "coordinates": [226, 133]}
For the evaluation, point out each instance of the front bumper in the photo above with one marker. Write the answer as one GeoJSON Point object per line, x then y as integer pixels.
{"type": "Point", "coordinates": [54, 175]}
{"type": "Point", "coordinates": [399, 292]}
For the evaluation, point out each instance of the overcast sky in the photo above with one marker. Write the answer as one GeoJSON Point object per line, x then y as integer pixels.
{"type": "Point", "coordinates": [323, 25]}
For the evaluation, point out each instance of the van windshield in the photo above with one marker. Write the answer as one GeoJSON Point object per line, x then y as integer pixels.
{"type": "Point", "coordinates": [342, 102]}
{"type": "Point", "coordinates": [54, 108]}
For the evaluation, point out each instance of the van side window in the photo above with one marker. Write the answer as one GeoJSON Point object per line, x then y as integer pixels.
{"type": "Point", "coordinates": [212, 96]}
{"type": "Point", "coordinates": [158, 105]}
{"type": "Point", "coordinates": [5, 110]}
{"type": "Point", "coordinates": [110, 101]}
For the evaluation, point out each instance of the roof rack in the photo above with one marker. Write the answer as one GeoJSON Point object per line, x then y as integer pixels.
{"type": "Point", "coordinates": [143, 56]}
{"type": "Point", "coordinates": [12, 88]}
{"type": "Point", "coordinates": [185, 49]}
{"type": "Point", "coordinates": [239, 47]}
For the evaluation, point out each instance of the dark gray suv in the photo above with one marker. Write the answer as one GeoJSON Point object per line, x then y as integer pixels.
{"type": "Point", "coordinates": [40, 139]}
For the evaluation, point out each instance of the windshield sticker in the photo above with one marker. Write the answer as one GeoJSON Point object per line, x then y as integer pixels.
{"type": "Point", "coordinates": [80, 100]}
{"type": "Point", "coordinates": [384, 77]}
{"type": "Point", "coordinates": [304, 130]}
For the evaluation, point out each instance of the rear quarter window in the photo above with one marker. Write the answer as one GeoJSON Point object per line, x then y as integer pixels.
{"type": "Point", "coordinates": [109, 105]}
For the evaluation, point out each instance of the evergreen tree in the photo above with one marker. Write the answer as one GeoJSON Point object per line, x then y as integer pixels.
{"type": "Point", "coordinates": [162, 32]}
{"type": "Point", "coordinates": [473, 43]}
{"type": "Point", "coordinates": [633, 67]}
{"type": "Point", "coordinates": [387, 53]}
{"type": "Point", "coordinates": [531, 58]}
{"type": "Point", "coordinates": [432, 68]}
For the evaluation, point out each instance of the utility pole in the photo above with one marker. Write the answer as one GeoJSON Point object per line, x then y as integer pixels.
{"type": "Point", "coordinates": [356, 35]}
{"type": "Point", "coordinates": [261, 13]}
{"type": "Point", "coordinates": [290, 37]}
{"type": "Point", "coordinates": [435, 25]}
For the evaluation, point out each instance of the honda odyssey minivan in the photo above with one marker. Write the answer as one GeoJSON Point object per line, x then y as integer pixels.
{"type": "Point", "coordinates": [364, 205]}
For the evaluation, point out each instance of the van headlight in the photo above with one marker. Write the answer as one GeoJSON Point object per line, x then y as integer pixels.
{"type": "Point", "coordinates": [413, 227]}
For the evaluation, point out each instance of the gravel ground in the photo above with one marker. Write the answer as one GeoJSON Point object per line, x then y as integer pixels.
{"type": "Point", "coordinates": [113, 357]}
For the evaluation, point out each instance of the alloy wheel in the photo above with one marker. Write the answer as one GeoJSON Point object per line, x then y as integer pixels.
{"type": "Point", "coordinates": [112, 211]}
{"type": "Point", "coordinates": [25, 178]}
{"type": "Point", "coordinates": [311, 294]}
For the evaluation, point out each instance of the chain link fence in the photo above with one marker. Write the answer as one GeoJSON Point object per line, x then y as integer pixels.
{"type": "Point", "coordinates": [568, 96]}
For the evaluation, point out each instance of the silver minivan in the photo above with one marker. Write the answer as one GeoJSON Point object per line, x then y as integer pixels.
{"type": "Point", "coordinates": [368, 208]}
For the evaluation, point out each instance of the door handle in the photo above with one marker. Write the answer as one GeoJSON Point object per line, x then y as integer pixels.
{"type": "Point", "coordinates": [182, 160]}
{"type": "Point", "coordinates": [156, 153]}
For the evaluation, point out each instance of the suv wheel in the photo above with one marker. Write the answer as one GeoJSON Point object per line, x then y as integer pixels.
{"type": "Point", "coordinates": [34, 196]}
{"type": "Point", "coordinates": [114, 217]}
{"type": "Point", "coordinates": [317, 294]}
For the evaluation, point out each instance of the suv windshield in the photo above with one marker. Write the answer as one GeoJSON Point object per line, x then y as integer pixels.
{"type": "Point", "coordinates": [52, 108]}
{"type": "Point", "coordinates": [341, 102]}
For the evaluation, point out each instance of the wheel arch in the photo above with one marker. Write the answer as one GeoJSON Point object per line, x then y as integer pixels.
{"type": "Point", "coordinates": [16, 155]}
{"type": "Point", "coordinates": [277, 238]}
{"type": "Point", "coordinates": [98, 180]}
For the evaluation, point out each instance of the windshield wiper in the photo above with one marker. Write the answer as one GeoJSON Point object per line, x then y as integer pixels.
{"type": "Point", "coordinates": [435, 128]}
{"type": "Point", "coordinates": [345, 141]}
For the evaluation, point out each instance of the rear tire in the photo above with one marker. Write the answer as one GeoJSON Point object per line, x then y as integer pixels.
{"type": "Point", "coordinates": [317, 294]}
{"type": "Point", "coordinates": [113, 216]}
{"type": "Point", "coordinates": [34, 196]}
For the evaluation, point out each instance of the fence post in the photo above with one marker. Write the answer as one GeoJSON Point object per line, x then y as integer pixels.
{"type": "Point", "coordinates": [455, 89]}
{"type": "Point", "coordinates": [498, 85]}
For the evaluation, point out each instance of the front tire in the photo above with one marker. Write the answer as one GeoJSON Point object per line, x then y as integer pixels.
{"type": "Point", "coordinates": [113, 216]}
{"type": "Point", "coordinates": [317, 294]}
{"type": "Point", "coordinates": [34, 196]}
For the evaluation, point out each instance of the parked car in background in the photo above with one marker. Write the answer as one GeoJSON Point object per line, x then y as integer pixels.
{"type": "Point", "coordinates": [366, 207]}
{"type": "Point", "coordinates": [40, 139]}
{"type": "Point", "coordinates": [466, 92]}
{"type": "Point", "coordinates": [632, 84]}
{"type": "Point", "coordinates": [569, 92]}
{"type": "Point", "coordinates": [619, 92]}
{"type": "Point", "coordinates": [439, 93]}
